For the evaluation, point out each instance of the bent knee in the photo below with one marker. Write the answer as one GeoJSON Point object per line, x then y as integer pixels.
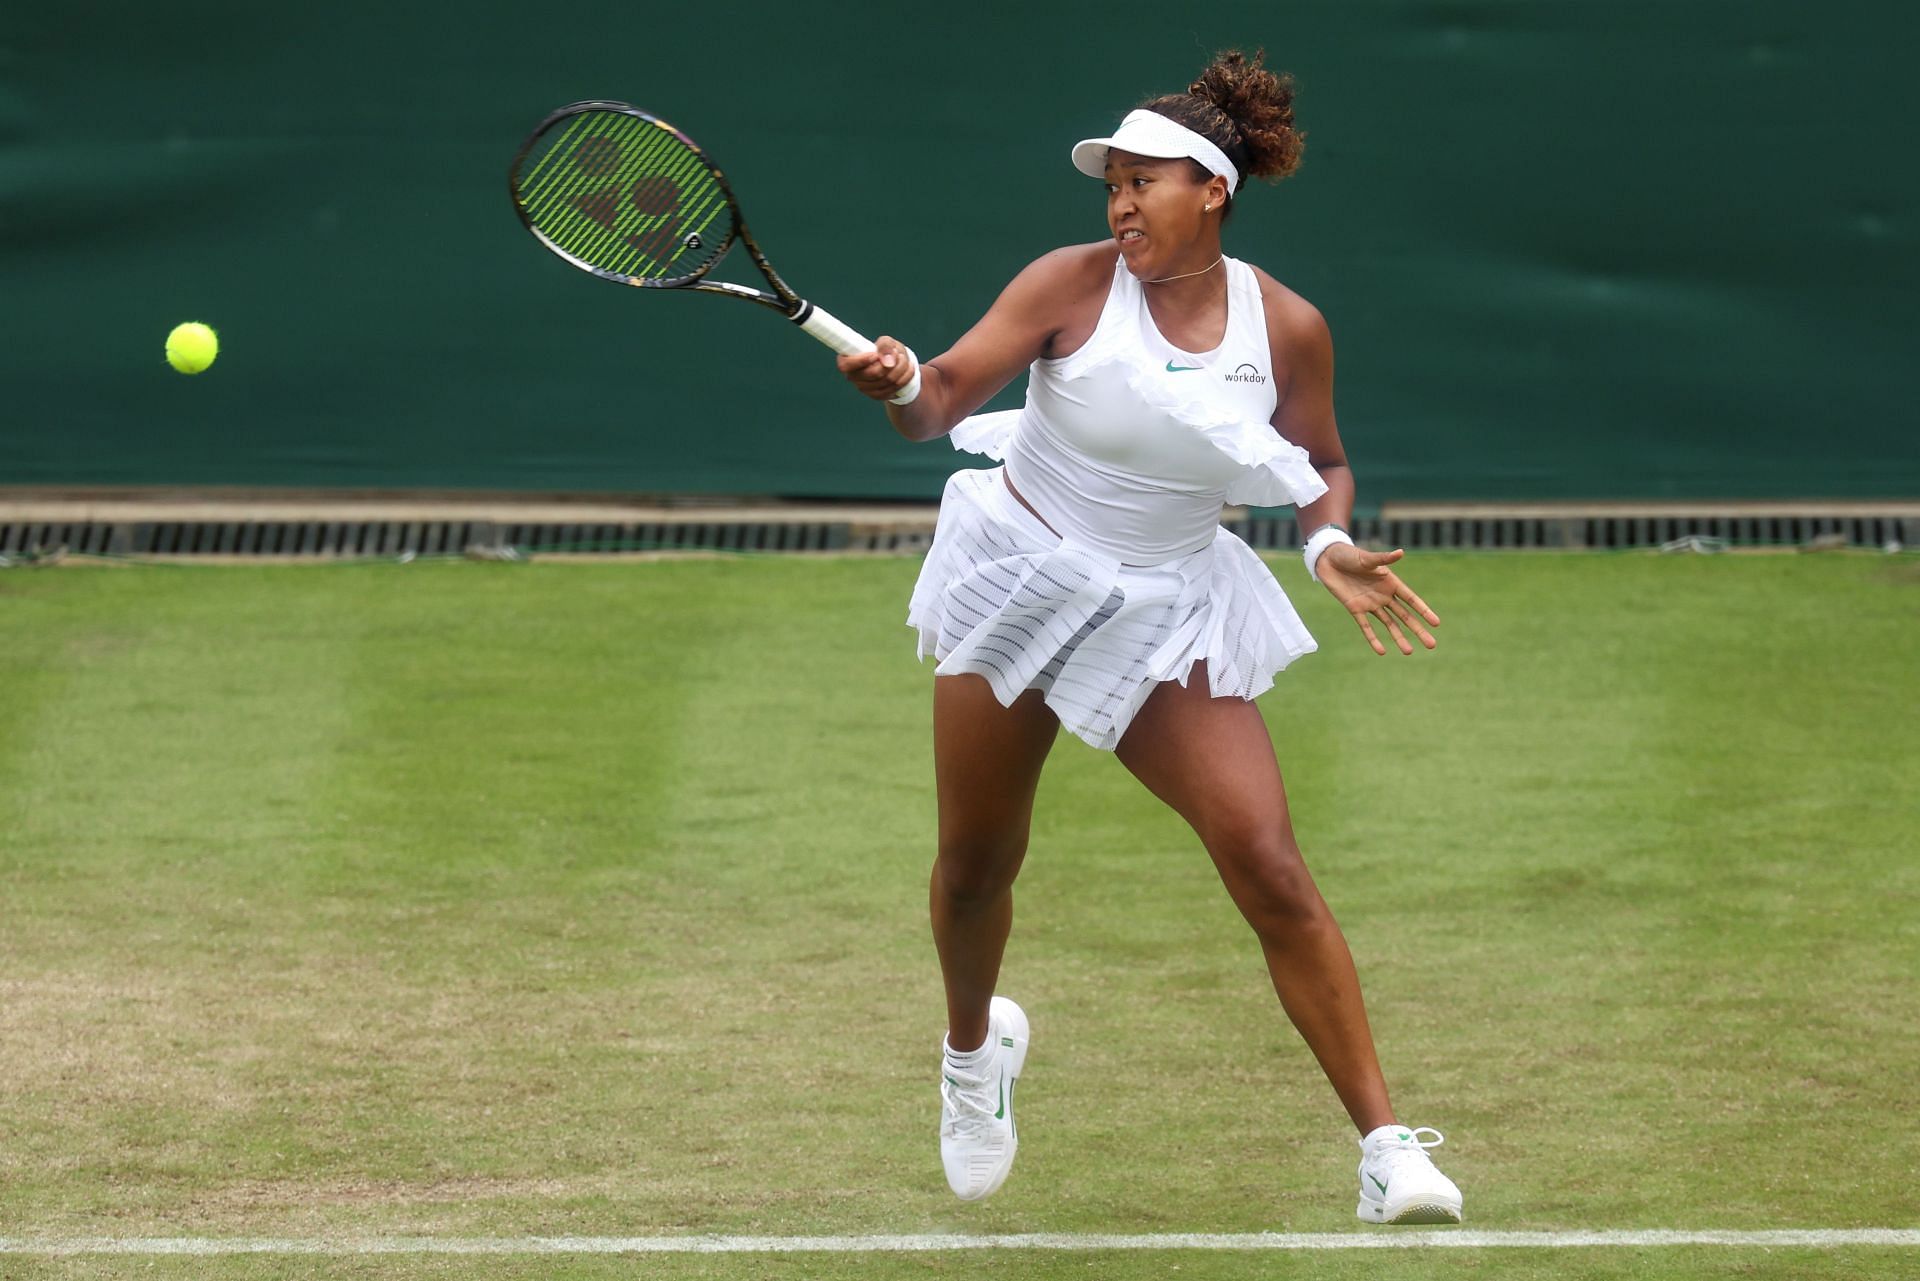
{"type": "Point", "coordinates": [1270, 884]}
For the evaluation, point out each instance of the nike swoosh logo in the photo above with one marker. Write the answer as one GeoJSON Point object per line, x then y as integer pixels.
{"type": "Point", "coordinates": [1001, 1115]}
{"type": "Point", "coordinates": [1179, 369]}
{"type": "Point", "coordinates": [1378, 1184]}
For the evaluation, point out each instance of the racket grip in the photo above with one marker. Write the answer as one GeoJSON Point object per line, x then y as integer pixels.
{"type": "Point", "coordinates": [828, 328]}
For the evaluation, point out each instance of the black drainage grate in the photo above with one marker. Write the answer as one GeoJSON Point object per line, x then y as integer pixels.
{"type": "Point", "coordinates": [1602, 532]}
{"type": "Point", "coordinates": [29, 540]}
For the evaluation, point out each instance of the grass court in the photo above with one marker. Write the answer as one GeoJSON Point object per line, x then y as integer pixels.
{"type": "Point", "coordinates": [555, 899]}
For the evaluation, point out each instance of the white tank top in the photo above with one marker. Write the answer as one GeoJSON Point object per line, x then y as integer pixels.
{"type": "Point", "coordinates": [1131, 445]}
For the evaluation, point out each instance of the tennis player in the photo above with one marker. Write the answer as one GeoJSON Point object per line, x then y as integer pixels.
{"type": "Point", "coordinates": [1087, 582]}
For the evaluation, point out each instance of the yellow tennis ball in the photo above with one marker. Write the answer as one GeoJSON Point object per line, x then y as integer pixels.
{"type": "Point", "coordinates": [191, 347]}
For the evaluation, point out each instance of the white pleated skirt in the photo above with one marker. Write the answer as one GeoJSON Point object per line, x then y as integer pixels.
{"type": "Point", "coordinates": [1003, 596]}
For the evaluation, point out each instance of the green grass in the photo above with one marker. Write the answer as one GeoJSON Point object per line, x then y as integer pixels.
{"type": "Point", "coordinates": [1507, 1264]}
{"type": "Point", "coordinates": [589, 899]}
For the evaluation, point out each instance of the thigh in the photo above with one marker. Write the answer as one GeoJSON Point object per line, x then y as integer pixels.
{"type": "Point", "coordinates": [1212, 761]}
{"type": "Point", "coordinates": [987, 761]}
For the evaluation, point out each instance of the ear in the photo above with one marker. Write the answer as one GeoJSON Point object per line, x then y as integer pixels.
{"type": "Point", "coordinates": [1214, 194]}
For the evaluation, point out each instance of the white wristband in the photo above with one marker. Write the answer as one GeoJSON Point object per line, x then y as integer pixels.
{"type": "Point", "coordinates": [906, 394]}
{"type": "Point", "coordinates": [1323, 538]}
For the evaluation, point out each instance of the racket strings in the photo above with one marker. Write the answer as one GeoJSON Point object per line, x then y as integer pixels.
{"type": "Point", "coordinates": [581, 204]}
{"type": "Point", "coordinates": [625, 195]}
{"type": "Point", "coordinates": [605, 203]}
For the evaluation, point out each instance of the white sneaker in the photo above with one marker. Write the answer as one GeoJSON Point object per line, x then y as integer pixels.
{"type": "Point", "coordinates": [1398, 1183]}
{"type": "Point", "coordinates": [977, 1134]}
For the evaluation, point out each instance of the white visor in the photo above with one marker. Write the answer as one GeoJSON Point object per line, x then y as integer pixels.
{"type": "Point", "coordinates": [1148, 133]}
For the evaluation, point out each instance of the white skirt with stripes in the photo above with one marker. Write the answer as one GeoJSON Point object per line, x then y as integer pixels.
{"type": "Point", "coordinates": [1003, 596]}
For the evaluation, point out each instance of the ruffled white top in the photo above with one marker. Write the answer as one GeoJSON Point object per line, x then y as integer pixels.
{"type": "Point", "coordinates": [1127, 449]}
{"type": "Point", "coordinates": [1131, 445]}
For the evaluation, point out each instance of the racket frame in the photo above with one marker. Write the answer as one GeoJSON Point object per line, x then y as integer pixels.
{"type": "Point", "coordinates": [783, 300]}
{"type": "Point", "coordinates": [815, 321]}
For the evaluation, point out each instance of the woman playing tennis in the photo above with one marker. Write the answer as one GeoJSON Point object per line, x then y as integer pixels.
{"type": "Point", "coordinates": [1087, 582]}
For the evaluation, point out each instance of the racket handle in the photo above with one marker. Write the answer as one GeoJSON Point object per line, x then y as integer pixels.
{"type": "Point", "coordinates": [828, 328]}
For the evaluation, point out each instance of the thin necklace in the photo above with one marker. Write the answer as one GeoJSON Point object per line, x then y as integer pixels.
{"type": "Point", "coordinates": [1161, 280]}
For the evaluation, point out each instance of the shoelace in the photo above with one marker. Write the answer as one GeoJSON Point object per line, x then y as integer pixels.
{"type": "Point", "coordinates": [968, 1105]}
{"type": "Point", "coordinates": [1393, 1156]}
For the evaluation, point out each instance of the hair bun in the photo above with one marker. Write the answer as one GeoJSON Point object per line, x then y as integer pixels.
{"type": "Point", "coordinates": [1258, 105]}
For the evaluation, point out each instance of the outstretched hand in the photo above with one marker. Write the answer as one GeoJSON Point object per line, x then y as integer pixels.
{"type": "Point", "coordinates": [881, 373]}
{"type": "Point", "coordinates": [1361, 581]}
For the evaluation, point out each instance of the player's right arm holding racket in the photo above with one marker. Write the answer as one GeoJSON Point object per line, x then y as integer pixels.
{"type": "Point", "coordinates": [1047, 310]}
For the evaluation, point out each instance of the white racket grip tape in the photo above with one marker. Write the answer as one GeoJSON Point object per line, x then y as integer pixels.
{"type": "Point", "coordinates": [825, 326]}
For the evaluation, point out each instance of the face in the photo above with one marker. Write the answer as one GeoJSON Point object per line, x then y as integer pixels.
{"type": "Point", "coordinates": [1157, 211]}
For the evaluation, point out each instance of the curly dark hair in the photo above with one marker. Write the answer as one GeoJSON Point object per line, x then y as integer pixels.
{"type": "Point", "coordinates": [1243, 109]}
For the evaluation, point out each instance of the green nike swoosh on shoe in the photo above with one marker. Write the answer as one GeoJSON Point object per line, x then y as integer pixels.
{"type": "Point", "coordinates": [1378, 1184]}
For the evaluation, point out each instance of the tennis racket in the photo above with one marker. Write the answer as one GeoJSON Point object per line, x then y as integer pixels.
{"type": "Point", "coordinates": [620, 193]}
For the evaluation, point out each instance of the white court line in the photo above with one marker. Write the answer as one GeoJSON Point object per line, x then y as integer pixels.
{"type": "Point", "coordinates": [1387, 1239]}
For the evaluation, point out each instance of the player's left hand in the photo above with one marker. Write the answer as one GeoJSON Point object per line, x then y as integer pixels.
{"type": "Point", "coordinates": [1361, 581]}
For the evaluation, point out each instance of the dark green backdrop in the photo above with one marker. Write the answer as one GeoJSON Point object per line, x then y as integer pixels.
{"type": "Point", "coordinates": [1568, 248]}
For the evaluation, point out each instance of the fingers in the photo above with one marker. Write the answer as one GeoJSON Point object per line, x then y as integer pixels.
{"type": "Point", "coordinates": [895, 366]}
{"type": "Point", "coordinates": [1413, 624]}
{"type": "Point", "coordinates": [1393, 629]}
{"type": "Point", "coordinates": [1391, 615]}
{"type": "Point", "coordinates": [880, 373]}
{"type": "Point", "coordinates": [1400, 590]}
{"type": "Point", "coordinates": [1366, 629]}
{"type": "Point", "coordinates": [1405, 593]}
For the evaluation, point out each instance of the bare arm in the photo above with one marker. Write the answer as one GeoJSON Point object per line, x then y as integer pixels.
{"type": "Point", "coordinates": [1360, 580]}
{"type": "Point", "coordinates": [1016, 331]}
{"type": "Point", "coordinates": [1303, 347]}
